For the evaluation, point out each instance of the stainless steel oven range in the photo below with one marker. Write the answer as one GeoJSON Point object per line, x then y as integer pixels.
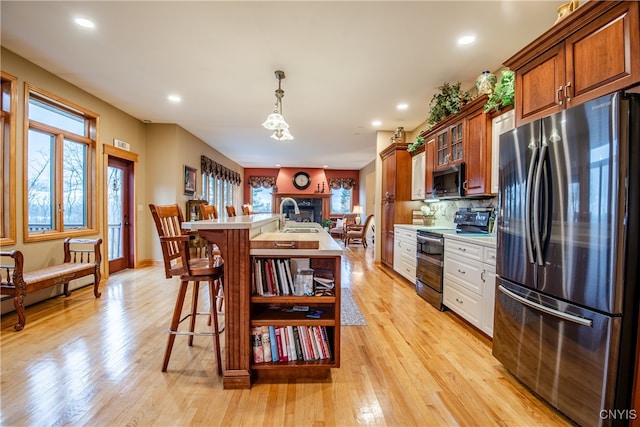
{"type": "Point", "coordinates": [429, 266]}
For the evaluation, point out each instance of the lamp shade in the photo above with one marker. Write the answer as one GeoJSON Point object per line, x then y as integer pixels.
{"type": "Point", "coordinates": [357, 209]}
{"type": "Point", "coordinates": [275, 121]}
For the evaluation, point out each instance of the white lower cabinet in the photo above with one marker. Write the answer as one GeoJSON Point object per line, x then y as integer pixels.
{"type": "Point", "coordinates": [404, 252]}
{"type": "Point", "coordinates": [469, 282]}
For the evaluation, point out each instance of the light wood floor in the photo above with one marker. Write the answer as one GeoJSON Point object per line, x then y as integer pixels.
{"type": "Point", "coordinates": [87, 361]}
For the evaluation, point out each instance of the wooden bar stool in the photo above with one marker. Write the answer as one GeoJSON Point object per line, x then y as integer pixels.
{"type": "Point", "coordinates": [208, 211]}
{"type": "Point", "coordinates": [178, 262]}
{"type": "Point", "coordinates": [231, 211]}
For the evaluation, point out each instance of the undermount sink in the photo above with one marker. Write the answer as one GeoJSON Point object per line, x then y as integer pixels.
{"type": "Point", "coordinates": [300, 230]}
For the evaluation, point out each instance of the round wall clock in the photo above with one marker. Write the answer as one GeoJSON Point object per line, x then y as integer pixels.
{"type": "Point", "coordinates": [301, 180]}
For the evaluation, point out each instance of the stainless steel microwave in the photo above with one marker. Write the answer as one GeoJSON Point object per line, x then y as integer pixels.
{"type": "Point", "coordinates": [449, 182]}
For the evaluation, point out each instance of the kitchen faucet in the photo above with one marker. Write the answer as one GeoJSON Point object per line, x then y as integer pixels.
{"type": "Point", "coordinates": [289, 199]}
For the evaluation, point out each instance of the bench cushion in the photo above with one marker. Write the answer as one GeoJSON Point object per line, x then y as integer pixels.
{"type": "Point", "coordinates": [61, 271]}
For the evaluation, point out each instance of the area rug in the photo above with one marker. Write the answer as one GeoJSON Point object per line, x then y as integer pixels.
{"type": "Point", "coordinates": [350, 314]}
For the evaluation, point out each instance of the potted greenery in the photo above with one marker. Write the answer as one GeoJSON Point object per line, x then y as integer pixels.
{"type": "Point", "coordinates": [415, 145]}
{"type": "Point", "coordinates": [448, 101]}
{"type": "Point", "coordinates": [504, 92]}
{"type": "Point", "coordinates": [326, 223]}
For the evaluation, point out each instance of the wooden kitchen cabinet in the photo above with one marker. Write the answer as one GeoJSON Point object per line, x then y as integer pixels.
{"type": "Point", "coordinates": [449, 145]}
{"type": "Point", "coordinates": [573, 63]}
{"type": "Point", "coordinates": [395, 197]}
{"type": "Point", "coordinates": [465, 137]}
{"type": "Point", "coordinates": [429, 162]}
{"type": "Point", "coordinates": [478, 151]}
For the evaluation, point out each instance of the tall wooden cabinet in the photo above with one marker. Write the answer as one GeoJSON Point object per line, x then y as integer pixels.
{"type": "Point", "coordinates": [574, 62]}
{"type": "Point", "coordinates": [395, 197]}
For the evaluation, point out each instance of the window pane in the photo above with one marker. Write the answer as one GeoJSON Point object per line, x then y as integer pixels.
{"type": "Point", "coordinates": [40, 181]}
{"type": "Point", "coordinates": [261, 199]}
{"type": "Point", "coordinates": [74, 190]}
{"type": "Point", "coordinates": [56, 117]}
{"type": "Point", "coordinates": [340, 200]}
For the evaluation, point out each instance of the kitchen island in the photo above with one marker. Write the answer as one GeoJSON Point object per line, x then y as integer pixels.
{"type": "Point", "coordinates": [273, 239]}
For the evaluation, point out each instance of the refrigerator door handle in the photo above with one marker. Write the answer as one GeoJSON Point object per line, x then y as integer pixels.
{"type": "Point", "coordinates": [527, 206]}
{"type": "Point", "coordinates": [553, 312]}
{"type": "Point", "coordinates": [536, 206]}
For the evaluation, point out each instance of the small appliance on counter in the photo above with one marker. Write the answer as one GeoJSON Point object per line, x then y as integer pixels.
{"type": "Point", "coordinates": [470, 221]}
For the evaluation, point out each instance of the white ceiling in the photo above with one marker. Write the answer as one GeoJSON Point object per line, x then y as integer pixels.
{"type": "Point", "coordinates": [346, 64]}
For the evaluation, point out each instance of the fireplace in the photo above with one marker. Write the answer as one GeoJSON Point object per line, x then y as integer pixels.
{"type": "Point", "coordinates": [310, 210]}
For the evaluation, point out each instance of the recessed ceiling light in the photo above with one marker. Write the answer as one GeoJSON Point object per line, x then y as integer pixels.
{"type": "Point", "coordinates": [325, 166]}
{"type": "Point", "coordinates": [278, 165]}
{"type": "Point", "coordinates": [174, 98]}
{"type": "Point", "coordinates": [468, 39]}
{"type": "Point", "coordinates": [402, 106]}
{"type": "Point", "coordinates": [376, 123]}
{"type": "Point", "coordinates": [84, 22]}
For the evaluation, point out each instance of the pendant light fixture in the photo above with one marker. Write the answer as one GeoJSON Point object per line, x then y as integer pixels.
{"type": "Point", "coordinates": [275, 121]}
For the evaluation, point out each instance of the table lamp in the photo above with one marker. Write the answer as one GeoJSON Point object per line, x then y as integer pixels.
{"type": "Point", "coordinates": [357, 209]}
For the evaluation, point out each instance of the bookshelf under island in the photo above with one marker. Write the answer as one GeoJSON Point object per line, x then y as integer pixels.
{"type": "Point", "coordinates": [245, 240]}
{"type": "Point", "coordinates": [307, 326]}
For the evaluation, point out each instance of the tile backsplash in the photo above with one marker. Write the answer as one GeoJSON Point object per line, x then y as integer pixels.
{"type": "Point", "coordinates": [445, 210]}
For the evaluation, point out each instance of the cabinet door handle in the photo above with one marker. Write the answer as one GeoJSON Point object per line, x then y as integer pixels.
{"type": "Point", "coordinates": [462, 271]}
{"type": "Point", "coordinates": [559, 95]}
{"type": "Point", "coordinates": [464, 185]}
{"type": "Point", "coordinates": [566, 91]}
{"type": "Point", "coordinates": [482, 276]}
{"type": "Point", "coordinates": [461, 249]}
{"type": "Point", "coordinates": [459, 301]}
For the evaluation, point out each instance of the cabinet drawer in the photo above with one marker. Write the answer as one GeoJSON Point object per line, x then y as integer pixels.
{"type": "Point", "coordinates": [489, 255]}
{"type": "Point", "coordinates": [467, 273]}
{"type": "Point", "coordinates": [463, 303]}
{"type": "Point", "coordinates": [408, 271]}
{"type": "Point", "coordinates": [403, 233]}
{"type": "Point", "coordinates": [469, 251]}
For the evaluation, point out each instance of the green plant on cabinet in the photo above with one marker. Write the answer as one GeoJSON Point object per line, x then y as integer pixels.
{"type": "Point", "coordinates": [413, 147]}
{"type": "Point", "coordinates": [448, 101]}
{"type": "Point", "coordinates": [503, 94]}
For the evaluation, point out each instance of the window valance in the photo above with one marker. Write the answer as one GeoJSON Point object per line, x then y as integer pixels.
{"type": "Point", "coordinates": [346, 183]}
{"type": "Point", "coordinates": [216, 170]}
{"type": "Point", "coordinates": [262, 181]}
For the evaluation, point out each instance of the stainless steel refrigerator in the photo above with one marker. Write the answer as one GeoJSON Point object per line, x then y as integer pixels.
{"type": "Point", "coordinates": [567, 266]}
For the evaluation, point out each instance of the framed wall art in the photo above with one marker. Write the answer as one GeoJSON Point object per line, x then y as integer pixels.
{"type": "Point", "coordinates": [189, 180]}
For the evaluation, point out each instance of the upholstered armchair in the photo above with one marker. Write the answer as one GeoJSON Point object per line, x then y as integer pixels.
{"type": "Point", "coordinates": [341, 223]}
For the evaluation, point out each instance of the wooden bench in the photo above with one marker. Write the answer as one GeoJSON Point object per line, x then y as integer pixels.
{"type": "Point", "coordinates": [81, 258]}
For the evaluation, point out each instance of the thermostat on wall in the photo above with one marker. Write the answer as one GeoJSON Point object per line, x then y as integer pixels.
{"type": "Point", "coordinates": [121, 144]}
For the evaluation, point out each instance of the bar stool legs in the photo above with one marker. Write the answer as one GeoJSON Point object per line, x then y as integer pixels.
{"type": "Point", "coordinates": [214, 288]}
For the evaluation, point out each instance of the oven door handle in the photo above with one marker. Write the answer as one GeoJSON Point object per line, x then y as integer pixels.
{"type": "Point", "coordinates": [437, 240]}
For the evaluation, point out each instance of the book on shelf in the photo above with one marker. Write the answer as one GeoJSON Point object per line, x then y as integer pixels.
{"type": "Point", "coordinates": [274, 343]}
{"type": "Point", "coordinates": [325, 342]}
{"type": "Point", "coordinates": [280, 339]}
{"type": "Point", "coordinates": [290, 343]}
{"type": "Point", "coordinates": [256, 338]}
{"type": "Point", "coordinates": [266, 344]}
{"type": "Point", "coordinates": [296, 340]}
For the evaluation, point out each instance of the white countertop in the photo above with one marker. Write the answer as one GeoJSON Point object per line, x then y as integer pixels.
{"type": "Point", "coordinates": [236, 222]}
{"type": "Point", "coordinates": [451, 233]}
{"type": "Point", "coordinates": [265, 227]}
{"type": "Point", "coordinates": [478, 239]}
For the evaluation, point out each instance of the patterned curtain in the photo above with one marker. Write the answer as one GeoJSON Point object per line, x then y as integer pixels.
{"type": "Point", "coordinates": [346, 183]}
{"type": "Point", "coordinates": [216, 170]}
{"type": "Point", "coordinates": [262, 181]}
